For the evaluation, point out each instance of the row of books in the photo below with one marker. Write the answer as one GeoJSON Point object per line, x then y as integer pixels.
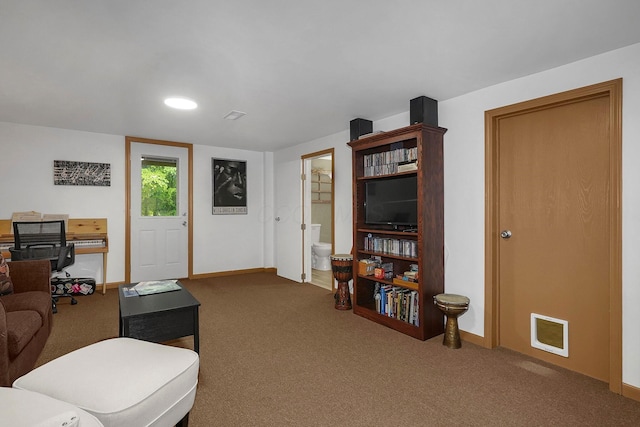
{"type": "Point", "coordinates": [397, 302]}
{"type": "Point", "coordinates": [385, 245]}
{"type": "Point", "coordinates": [386, 163]}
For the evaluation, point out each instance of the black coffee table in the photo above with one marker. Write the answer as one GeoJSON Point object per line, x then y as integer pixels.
{"type": "Point", "coordinates": [160, 317]}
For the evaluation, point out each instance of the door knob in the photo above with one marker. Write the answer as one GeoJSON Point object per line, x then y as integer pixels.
{"type": "Point", "coordinates": [505, 234]}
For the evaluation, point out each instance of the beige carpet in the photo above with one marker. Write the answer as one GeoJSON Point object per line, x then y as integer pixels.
{"type": "Point", "coordinates": [276, 353]}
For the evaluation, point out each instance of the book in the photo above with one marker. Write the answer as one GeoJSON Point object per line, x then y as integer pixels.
{"type": "Point", "coordinates": [406, 167]}
{"type": "Point", "coordinates": [129, 292]}
{"type": "Point", "coordinates": [412, 307]}
{"type": "Point", "coordinates": [156, 287]}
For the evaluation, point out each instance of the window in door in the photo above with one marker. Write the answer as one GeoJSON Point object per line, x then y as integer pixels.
{"type": "Point", "coordinates": [159, 187]}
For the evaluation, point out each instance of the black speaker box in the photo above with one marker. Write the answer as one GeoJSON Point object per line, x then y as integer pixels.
{"type": "Point", "coordinates": [423, 110]}
{"type": "Point", "coordinates": [360, 127]}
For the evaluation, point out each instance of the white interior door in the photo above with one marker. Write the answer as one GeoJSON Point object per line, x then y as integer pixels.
{"type": "Point", "coordinates": [289, 221]}
{"type": "Point", "coordinates": [159, 238]}
{"type": "Point", "coordinates": [306, 218]}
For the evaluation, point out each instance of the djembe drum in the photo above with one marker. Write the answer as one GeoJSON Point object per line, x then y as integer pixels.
{"type": "Point", "coordinates": [342, 267]}
{"type": "Point", "coordinates": [452, 306]}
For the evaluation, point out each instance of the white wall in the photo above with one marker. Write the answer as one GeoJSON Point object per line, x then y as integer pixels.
{"type": "Point", "coordinates": [221, 242]}
{"type": "Point", "coordinates": [342, 182]}
{"type": "Point", "coordinates": [26, 173]}
{"type": "Point", "coordinates": [228, 242]}
{"type": "Point", "coordinates": [464, 181]}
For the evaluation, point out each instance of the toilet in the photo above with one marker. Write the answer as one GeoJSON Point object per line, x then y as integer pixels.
{"type": "Point", "coordinates": [320, 252]}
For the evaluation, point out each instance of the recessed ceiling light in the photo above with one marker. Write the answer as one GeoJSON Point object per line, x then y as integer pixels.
{"type": "Point", "coordinates": [234, 115]}
{"type": "Point", "coordinates": [181, 103]}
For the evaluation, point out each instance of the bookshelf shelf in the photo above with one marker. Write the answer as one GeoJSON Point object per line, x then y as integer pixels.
{"type": "Point", "coordinates": [387, 255]}
{"type": "Point", "coordinates": [404, 284]}
{"type": "Point", "coordinates": [406, 234]}
{"type": "Point", "coordinates": [406, 307]}
{"type": "Point", "coordinates": [382, 176]}
{"type": "Point", "coordinates": [321, 191]}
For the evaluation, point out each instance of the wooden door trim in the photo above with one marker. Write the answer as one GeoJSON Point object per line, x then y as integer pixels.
{"type": "Point", "coordinates": [127, 203]}
{"type": "Point", "coordinates": [331, 152]}
{"type": "Point", "coordinates": [612, 89]}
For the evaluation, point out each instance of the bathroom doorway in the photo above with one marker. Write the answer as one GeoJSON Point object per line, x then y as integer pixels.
{"type": "Point", "coordinates": [318, 208]}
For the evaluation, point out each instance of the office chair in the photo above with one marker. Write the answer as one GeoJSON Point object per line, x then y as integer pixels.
{"type": "Point", "coordinates": [44, 240]}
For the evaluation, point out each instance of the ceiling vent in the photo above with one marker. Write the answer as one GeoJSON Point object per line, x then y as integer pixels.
{"type": "Point", "coordinates": [234, 115]}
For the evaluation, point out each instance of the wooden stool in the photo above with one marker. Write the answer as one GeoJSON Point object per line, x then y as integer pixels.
{"type": "Point", "coordinates": [452, 306]}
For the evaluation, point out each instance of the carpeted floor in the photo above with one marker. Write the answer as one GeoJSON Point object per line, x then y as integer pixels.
{"type": "Point", "coordinates": [276, 353]}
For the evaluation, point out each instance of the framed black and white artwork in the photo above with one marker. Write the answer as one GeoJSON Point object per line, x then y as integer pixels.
{"type": "Point", "coordinates": [81, 173]}
{"type": "Point", "coordinates": [229, 186]}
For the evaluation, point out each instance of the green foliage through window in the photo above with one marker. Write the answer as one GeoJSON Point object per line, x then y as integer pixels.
{"type": "Point", "coordinates": [159, 187]}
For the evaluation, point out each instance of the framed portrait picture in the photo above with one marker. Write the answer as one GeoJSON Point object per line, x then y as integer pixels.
{"type": "Point", "coordinates": [229, 186]}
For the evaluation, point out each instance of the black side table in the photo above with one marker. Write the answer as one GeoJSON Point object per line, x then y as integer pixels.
{"type": "Point", "coordinates": [160, 317]}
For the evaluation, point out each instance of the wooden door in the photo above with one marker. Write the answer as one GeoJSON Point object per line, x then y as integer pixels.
{"type": "Point", "coordinates": [554, 195]}
{"type": "Point", "coordinates": [158, 243]}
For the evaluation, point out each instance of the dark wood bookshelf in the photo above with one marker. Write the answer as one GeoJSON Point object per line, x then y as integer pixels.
{"type": "Point", "coordinates": [428, 234]}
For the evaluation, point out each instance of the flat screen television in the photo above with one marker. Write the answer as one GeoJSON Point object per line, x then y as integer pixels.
{"type": "Point", "coordinates": [392, 201]}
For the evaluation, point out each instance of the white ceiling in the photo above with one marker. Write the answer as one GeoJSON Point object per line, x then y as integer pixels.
{"type": "Point", "coordinates": [299, 69]}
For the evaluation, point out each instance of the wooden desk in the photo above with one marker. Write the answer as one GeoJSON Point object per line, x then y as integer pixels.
{"type": "Point", "coordinates": [89, 235]}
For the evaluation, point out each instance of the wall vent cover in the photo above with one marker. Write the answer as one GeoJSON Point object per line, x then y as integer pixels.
{"type": "Point", "coordinates": [550, 334]}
